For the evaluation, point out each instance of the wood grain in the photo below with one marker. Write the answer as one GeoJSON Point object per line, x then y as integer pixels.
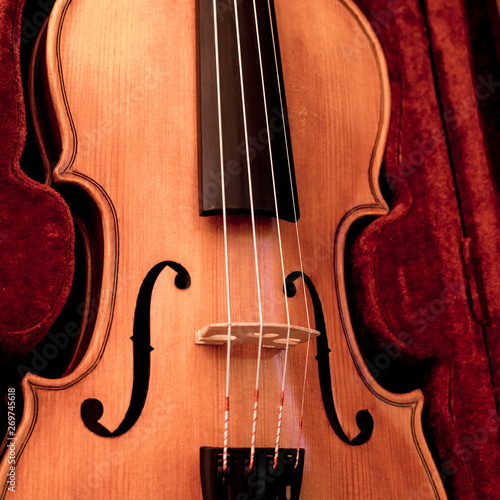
{"type": "Point", "coordinates": [122, 79]}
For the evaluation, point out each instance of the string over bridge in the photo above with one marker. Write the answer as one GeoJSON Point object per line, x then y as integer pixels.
{"type": "Point", "coordinates": [274, 335]}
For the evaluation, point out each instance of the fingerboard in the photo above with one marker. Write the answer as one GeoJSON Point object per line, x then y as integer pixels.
{"type": "Point", "coordinates": [242, 111]}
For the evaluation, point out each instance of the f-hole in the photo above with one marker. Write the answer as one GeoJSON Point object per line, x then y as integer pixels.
{"type": "Point", "coordinates": [364, 420]}
{"type": "Point", "coordinates": [92, 409]}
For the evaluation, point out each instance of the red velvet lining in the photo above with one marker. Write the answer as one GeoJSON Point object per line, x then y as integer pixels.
{"type": "Point", "coordinates": [428, 272]}
{"type": "Point", "coordinates": [36, 232]}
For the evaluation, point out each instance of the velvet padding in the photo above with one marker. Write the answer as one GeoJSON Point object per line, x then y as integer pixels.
{"type": "Point", "coordinates": [36, 229]}
{"type": "Point", "coordinates": [424, 279]}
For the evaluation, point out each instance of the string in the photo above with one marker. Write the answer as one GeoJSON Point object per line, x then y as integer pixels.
{"type": "Point", "coordinates": [297, 235]}
{"type": "Point", "coordinates": [261, 323]}
{"type": "Point", "coordinates": [226, 253]}
{"type": "Point", "coordinates": [282, 394]}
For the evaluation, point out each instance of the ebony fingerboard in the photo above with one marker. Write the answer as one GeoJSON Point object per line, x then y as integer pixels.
{"type": "Point", "coordinates": [255, 32]}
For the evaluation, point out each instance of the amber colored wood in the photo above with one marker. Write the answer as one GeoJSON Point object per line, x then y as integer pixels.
{"type": "Point", "coordinates": [122, 79]}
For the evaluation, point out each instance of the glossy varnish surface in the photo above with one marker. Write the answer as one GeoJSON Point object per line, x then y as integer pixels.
{"type": "Point", "coordinates": [124, 84]}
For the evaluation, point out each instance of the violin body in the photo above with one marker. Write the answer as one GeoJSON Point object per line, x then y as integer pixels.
{"type": "Point", "coordinates": [122, 80]}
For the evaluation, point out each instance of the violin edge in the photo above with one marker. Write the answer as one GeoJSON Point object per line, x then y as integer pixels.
{"type": "Point", "coordinates": [415, 398]}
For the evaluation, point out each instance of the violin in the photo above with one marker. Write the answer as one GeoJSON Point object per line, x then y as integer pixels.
{"type": "Point", "coordinates": [217, 152]}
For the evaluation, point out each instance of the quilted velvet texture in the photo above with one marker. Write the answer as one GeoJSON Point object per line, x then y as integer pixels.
{"type": "Point", "coordinates": [36, 230]}
{"type": "Point", "coordinates": [425, 279]}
